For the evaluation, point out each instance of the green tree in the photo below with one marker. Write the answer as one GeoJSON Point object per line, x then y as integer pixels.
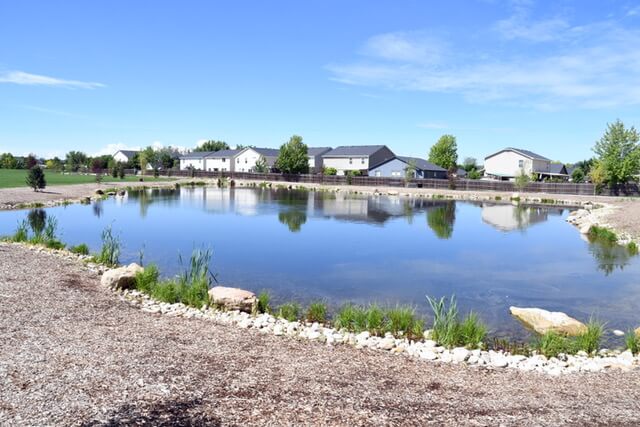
{"type": "Point", "coordinates": [329, 171]}
{"type": "Point", "coordinates": [31, 161]}
{"type": "Point", "coordinates": [469, 164]}
{"type": "Point", "coordinates": [7, 161]}
{"type": "Point", "coordinates": [54, 164]}
{"type": "Point", "coordinates": [410, 170]}
{"type": "Point", "coordinates": [577, 175]}
{"type": "Point", "coordinates": [521, 180]}
{"type": "Point", "coordinates": [444, 153]}
{"type": "Point", "coordinates": [261, 165]}
{"type": "Point", "coordinates": [75, 160]}
{"type": "Point", "coordinates": [293, 156]}
{"type": "Point", "coordinates": [35, 178]}
{"type": "Point", "coordinates": [618, 153]}
{"type": "Point", "coordinates": [474, 174]}
{"type": "Point", "coordinates": [212, 145]}
{"type": "Point", "coordinates": [147, 157]}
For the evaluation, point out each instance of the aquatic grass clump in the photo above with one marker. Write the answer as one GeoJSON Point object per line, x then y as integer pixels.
{"type": "Point", "coordinates": [375, 322]}
{"type": "Point", "coordinates": [22, 232]}
{"type": "Point", "coordinates": [447, 328]}
{"type": "Point", "coordinates": [264, 299]}
{"type": "Point", "coordinates": [632, 248]}
{"type": "Point", "coordinates": [289, 311]}
{"type": "Point", "coordinates": [317, 312]}
{"type": "Point", "coordinates": [378, 321]}
{"type": "Point", "coordinates": [81, 249]}
{"type": "Point", "coordinates": [147, 279]}
{"type": "Point", "coordinates": [110, 250]}
{"type": "Point", "coordinates": [552, 343]}
{"type": "Point", "coordinates": [602, 234]}
{"type": "Point", "coordinates": [632, 342]}
{"type": "Point", "coordinates": [589, 341]}
{"type": "Point", "coordinates": [400, 319]}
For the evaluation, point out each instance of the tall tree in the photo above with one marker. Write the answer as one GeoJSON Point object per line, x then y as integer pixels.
{"type": "Point", "coordinates": [75, 160]}
{"type": "Point", "coordinates": [35, 178]}
{"type": "Point", "coordinates": [444, 153]}
{"type": "Point", "coordinates": [7, 161]}
{"type": "Point", "coordinates": [618, 153]}
{"type": "Point", "coordinates": [212, 145]}
{"type": "Point", "coordinates": [147, 157]}
{"type": "Point", "coordinates": [293, 156]}
{"type": "Point", "coordinates": [31, 161]}
{"type": "Point", "coordinates": [469, 164]}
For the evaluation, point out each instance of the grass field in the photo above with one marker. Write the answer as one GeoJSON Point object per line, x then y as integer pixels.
{"type": "Point", "coordinates": [11, 178]}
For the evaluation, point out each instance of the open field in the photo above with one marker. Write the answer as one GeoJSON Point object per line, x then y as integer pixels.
{"type": "Point", "coordinates": [84, 357]}
{"type": "Point", "coordinates": [12, 178]}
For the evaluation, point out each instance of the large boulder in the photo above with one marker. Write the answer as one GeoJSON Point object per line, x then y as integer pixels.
{"type": "Point", "coordinates": [543, 321]}
{"type": "Point", "coordinates": [122, 277]}
{"type": "Point", "coordinates": [233, 298]}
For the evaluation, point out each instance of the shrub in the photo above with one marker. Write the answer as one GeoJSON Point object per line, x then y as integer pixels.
{"type": "Point", "coordinates": [263, 302]}
{"type": "Point", "coordinates": [110, 251]}
{"type": "Point", "coordinates": [289, 311]}
{"type": "Point", "coordinates": [449, 331]}
{"type": "Point", "coordinates": [589, 341]}
{"type": "Point", "coordinates": [632, 342]}
{"type": "Point", "coordinates": [400, 319]}
{"type": "Point", "coordinates": [146, 280]}
{"type": "Point", "coordinates": [317, 312]}
{"type": "Point", "coordinates": [329, 171]}
{"type": "Point", "coordinates": [35, 178]}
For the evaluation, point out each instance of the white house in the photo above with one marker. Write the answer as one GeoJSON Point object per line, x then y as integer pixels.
{"type": "Point", "coordinates": [315, 158]}
{"type": "Point", "coordinates": [245, 160]}
{"type": "Point", "coordinates": [195, 160]}
{"type": "Point", "coordinates": [360, 158]}
{"type": "Point", "coordinates": [222, 161]}
{"type": "Point", "coordinates": [508, 163]}
{"type": "Point", "coordinates": [124, 156]}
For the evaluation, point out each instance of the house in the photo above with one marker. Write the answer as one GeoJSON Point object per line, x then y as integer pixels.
{"type": "Point", "coordinates": [461, 173]}
{"type": "Point", "coordinates": [558, 171]}
{"type": "Point", "coordinates": [510, 162]}
{"type": "Point", "coordinates": [246, 160]}
{"type": "Point", "coordinates": [221, 161]}
{"type": "Point", "coordinates": [195, 160]}
{"type": "Point", "coordinates": [315, 158]}
{"type": "Point", "coordinates": [396, 167]}
{"type": "Point", "coordinates": [124, 156]}
{"type": "Point", "coordinates": [356, 158]}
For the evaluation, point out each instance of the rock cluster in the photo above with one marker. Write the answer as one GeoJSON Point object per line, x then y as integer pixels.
{"type": "Point", "coordinates": [427, 349]}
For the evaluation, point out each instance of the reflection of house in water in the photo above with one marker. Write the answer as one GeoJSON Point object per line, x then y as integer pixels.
{"type": "Point", "coordinates": [512, 217]}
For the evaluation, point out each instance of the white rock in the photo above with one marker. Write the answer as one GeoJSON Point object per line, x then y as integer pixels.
{"type": "Point", "coordinates": [121, 278]}
{"type": "Point", "coordinates": [499, 360]}
{"type": "Point", "coordinates": [428, 354]}
{"type": "Point", "coordinates": [626, 355]}
{"type": "Point", "coordinates": [278, 329]}
{"type": "Point", "coordinates": [387, 343]}
{"type": "Point", "coordinates": [233, 298]}
{"type": "Point", "coordinates": [460, 354]}
{"type": "Point", "coordinates": [543, 321]}
{"type": "Point", "coordinates": [618, 332]}
{"type": "Point", "coordinates": [430, 343]}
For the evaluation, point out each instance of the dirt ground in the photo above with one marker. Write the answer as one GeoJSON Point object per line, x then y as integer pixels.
{"type": "Point", "coordinates": [73, 353]}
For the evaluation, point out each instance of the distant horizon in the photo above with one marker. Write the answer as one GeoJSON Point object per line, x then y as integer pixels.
{"type": "Point", "coordinates": [102, 77]}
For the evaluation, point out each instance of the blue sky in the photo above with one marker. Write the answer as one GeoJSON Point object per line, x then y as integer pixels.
{"type": "Point", "coordinates": [102, 75]}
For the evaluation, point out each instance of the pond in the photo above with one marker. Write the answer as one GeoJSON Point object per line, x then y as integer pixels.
{"type": "Point", "coordinates": [340, 247]}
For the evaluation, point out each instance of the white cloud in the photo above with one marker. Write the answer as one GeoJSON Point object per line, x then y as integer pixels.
{"type": "Point", "coordinates": [22, 78]}
{"type": "Point", "coordinates": [405, 46]}
{"type": "Point", "coordinates": [518, 27]}
{"type": "Point", "coordinates": [591, 66]}
{"type": "Point", "coordinates": [431, 125]}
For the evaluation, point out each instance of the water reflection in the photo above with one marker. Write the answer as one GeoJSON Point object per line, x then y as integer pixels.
{"type": "Point", "coordinates": [37, 219]}
{"type": "Point", "coordinates": [508, 217]}
{"type": "Point", "coordinates": [97, 208]}
{"type": "Point", "coordinates": [608, 256]}
{"type": "Point", "coordinates": [441, 219]}
{"type": "Point", "coordinates": [293, 219]}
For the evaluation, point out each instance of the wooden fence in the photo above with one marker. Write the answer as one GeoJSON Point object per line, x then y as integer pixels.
{"type": "Point", "coordinates": [630, 189]}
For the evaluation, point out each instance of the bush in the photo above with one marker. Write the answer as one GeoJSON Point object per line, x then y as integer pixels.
{"type": "Point", "coordinates": [81, 249]}
{"type": "Point", "coordinates": [317, 312]}
{"type": "Point", "coordinates": [147, 279]}
{"type": "Point", "coordinates": [35, 178]}
{"type": "Point", "coordinates": [289, 311]}
{"type": "Point", "coordinates": [329, 171]}
{"type": "Point", "coordinates": [602, 234]}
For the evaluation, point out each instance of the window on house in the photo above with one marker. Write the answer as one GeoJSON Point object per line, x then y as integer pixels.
{"type": "Point", "coordinates": [238, 161]}
{"type": "Point", "coordinates": [363, 159]}
{"type": "Point", "coordinates": [224, 160]}
{"type": "Point", "coordinates": [520, 163]}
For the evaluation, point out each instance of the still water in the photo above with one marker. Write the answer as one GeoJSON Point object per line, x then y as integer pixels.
{"type": "Point", "coordinates": [338, 247]}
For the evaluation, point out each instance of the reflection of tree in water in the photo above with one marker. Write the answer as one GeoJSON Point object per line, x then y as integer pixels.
{"type": "Point", "coordinates": [294, 219]}
{"type": "Point", "coordinates": [441, 219]}
{"type": "Point", "coordinates": [144, 199]}
{"type": "Point", "coordinates": [97, 208]}
{"type": "Point", "coordinates": [407, 208]}
{"type": "Point", "coordinates": [37, 219]}
{"type": "Point", "coordinates": [609, 256]}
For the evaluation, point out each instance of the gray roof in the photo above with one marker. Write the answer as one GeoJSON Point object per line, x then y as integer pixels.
{"type": "Point", "coordinates": [128, 153]}
{"type": "Point", "coordinates": [354, 150]}
{"type": "Point", "coordinates": [558, 168]}
{"type": "Point", "coordinates": [526, 153]}
{"type": "Point", "coordinates": [421, 164]}
{"type": "Point", "coordinates": [226, 154]}
{"type": "Point", "coordinates": [197, 155]}
{"type": "Point", "coordinates": [267, 152]}
{"type": "Point", "coordinates": [461, 172]}
{"type": "Point", "coordinates": [316, 151]}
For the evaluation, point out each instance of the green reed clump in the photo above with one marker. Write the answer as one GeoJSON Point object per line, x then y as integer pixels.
{"type": "Point", "coordinates": [147, 279]}
{"type": "Point", "coordinates": [632, 248]}
{"type": "Point", "coordinates": [602, 234]}
{"type": "Point", "coordinates": [378, 321]}
{"type": "Point", "coordinates": [632, 342]}
{"type": "Point", "coordinates": [22, 232]}
{"type": "Point", "coordinates": [317, 312]}
{"type": "Point", "coordinates": [589, 341]}
{"type": "Point", "coordinates": [264, 300]}
{"type": "Point", "coordinates": [289, 311]}
{"type": "Point", "coordinates": [449, 331]}
{"type": "Point", "coordinates": [81, 249]}
{"type": "Point", "coordinates": [400, 319]}
{"type": "Point", "coordinates": [551, 343]}
{"type": "Point", "coordinates": [110, 250]}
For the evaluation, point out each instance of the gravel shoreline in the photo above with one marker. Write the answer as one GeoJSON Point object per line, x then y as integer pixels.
{"type": "Point", "coordinates": [73, 353]}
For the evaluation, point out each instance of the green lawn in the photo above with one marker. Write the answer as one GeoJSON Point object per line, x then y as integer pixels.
{"type": "Point", "coordinates": [10, 178]}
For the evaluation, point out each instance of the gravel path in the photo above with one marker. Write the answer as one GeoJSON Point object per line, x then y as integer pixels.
{"type": "Point", "coordinates": [72, 353]}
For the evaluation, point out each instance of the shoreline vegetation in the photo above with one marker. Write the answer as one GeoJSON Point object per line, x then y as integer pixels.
{"type": "Point", "coordinates": [448, 331]}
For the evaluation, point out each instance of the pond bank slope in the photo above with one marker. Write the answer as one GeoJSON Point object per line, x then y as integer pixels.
{"type": "Point", "coordinates": [72, 353]}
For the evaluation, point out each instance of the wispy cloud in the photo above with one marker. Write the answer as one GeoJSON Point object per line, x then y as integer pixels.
{"type": "Point", "coordinates": [431, 125]}
{"type": "Point", "coordinates": [589, 66]}
{"type": "Point", "coordinates": [50, 111]}
{"type": "Point", "coordinates": [22, 78]}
